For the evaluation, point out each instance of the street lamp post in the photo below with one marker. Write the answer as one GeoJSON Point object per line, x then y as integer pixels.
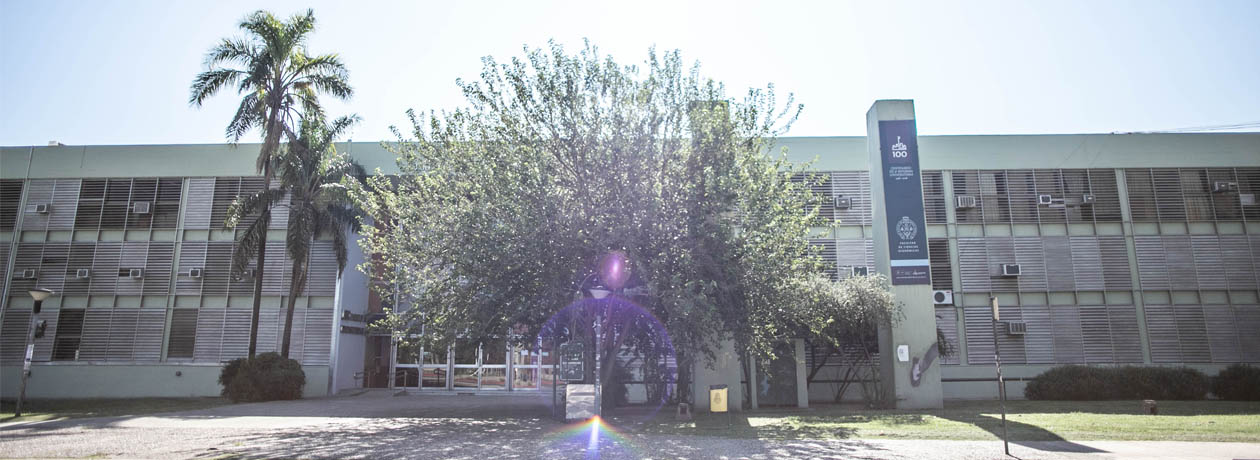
{"type": "Point", "coordinates": [39, 295]}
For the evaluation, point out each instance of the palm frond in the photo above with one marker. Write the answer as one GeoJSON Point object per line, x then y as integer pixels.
{"type": "Point", "coordinates": [232, 50]}
{"type": "Point", "coordinates": [249, 115]}
{"type": "Point", "coordinates": [330, 84]}
{"type": "Point", "coordinates": [208, 83]}
{"type": "Point", "coordinates": [247, 243]}
{"type": "Point", "coordinates": [254, 204]}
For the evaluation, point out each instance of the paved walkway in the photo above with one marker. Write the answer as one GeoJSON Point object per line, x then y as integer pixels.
{"type": "Point", "coordinates": [379, 425]}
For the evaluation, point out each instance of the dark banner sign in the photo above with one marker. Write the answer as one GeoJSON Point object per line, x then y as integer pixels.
{"type": "Point", "coordinates": [903, 200]}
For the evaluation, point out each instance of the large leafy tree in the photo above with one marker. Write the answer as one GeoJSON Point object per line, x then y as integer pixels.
{"type": "Point", "coordinates": [503, 208]}
{"type": "Point", "coordinates": [279, 80]}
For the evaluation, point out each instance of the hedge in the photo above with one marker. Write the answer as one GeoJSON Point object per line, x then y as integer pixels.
{"type": "Point", "coordinates": [1239, 382]}
{"type": "Point", "coordinates": [265, 377]}
{"type": "Point", "coordinates": [1089, 383]}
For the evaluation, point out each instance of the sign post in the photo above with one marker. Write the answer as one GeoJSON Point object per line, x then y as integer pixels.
{"type": "Point", "coordinates": [997, 360]}
{"type": "Point", "coordinates": [901, 254]}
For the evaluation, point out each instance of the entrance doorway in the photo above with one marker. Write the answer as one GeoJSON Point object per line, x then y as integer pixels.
{"type": "Point", "coordinates": [469, 366]}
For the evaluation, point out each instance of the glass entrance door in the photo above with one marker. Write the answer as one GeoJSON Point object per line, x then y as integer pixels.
{"type": "Point", "coordinates": [494, 355]}
{"type": "Point", "coordinates": [466, 363]}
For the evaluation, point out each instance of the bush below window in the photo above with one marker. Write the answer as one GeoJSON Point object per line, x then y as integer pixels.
{"type": "Point", "coordinates": [265, 377]}
{"type": "Point", "coordinates": [1239, 382]}
{"type": "Point", "coordinates": [1087, 383]}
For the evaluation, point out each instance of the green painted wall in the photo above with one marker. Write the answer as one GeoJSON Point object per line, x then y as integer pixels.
{"type": "Point", "coordinates": [131, 381]}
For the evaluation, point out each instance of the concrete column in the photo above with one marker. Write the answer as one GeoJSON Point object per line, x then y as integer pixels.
{"type": "Point", "coordinates": [752, 381]}
{"type": "Point", "coordinates": [802, 374]}
{"type": "Point", "coordinates": [901, 254]}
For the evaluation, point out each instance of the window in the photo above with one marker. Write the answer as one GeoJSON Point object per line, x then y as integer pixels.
{"type": "Point", "coordinates": [933, 197]}
{"type": "Point", "coordinates": [10, 198]}
{"type": "Point", "coordinates": [69, 334]}
{"type": "Point", "coordinates": [938, 256]}
{"type": "Point", "coordinates": [183, 338]}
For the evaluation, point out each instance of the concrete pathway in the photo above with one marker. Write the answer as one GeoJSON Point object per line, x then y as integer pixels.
{"type": "Point", "coordinates": [379, 425]}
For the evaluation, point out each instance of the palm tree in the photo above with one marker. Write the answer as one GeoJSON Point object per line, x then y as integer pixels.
{"type": "Point", "coordinates": [271, 68]}
{"type": "Point", "coordinates": [316, 177]}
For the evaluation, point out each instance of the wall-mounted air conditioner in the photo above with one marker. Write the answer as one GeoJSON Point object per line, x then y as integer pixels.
{"type": "Point", "coordinates": [1247, 199]}
{"type": "Point", "coordinates": [943, 297]}
{"type": "Point", "coordinates": [1087, 198]}
{"type": "Point", "coordinates": [964, 202]}
{"type": "Point", "coordinates": [136, 273]}
{"type": "Point", "coordinates": [1010, 269]}
{"type": "Point", "coordinates": [843, 202]}
{"type": "Point", "coordinates": [860, 271]}
{"type": "Point", "coordinates": [27, 274]}
{"type": "Point", "coordinates": [194, 273]}
{"type": "Point", "coordinates": [140, 207]}
{"type": "Point", "coordinates": [1016, 327]}
{"type": "Point", "coordinates": [83, 273]}
{"type": "Point", "coordinates": [1222, 186]}
{"type": "Point", "coordinates": [1045, 200]}
{"type": "Point", "coordinates": [42, 208]}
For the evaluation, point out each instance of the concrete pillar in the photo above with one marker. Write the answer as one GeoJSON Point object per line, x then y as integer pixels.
{"type": "Point", "coordinates": [802, 374]}
{"type": "Point", "coordinates": [753, 385]}
{"type": "Point", "coordinates": [908, 351]}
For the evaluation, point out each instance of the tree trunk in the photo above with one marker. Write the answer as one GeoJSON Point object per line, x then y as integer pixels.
{"type": "Point", "coordinates": [258, 281]}
{"type": "Point", "coordinates": [295, 288]}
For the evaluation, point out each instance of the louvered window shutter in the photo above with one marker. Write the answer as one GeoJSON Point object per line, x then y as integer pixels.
{"type": "Point", "coordinates": [236, 322]}
{"type": "Point", "coordinates": [1240, 272]}
{"type": "Point", "coordinates": [1012, 346]}
{"type": "Point", "coordinates": [1161, 332]}
{"type": "Point", "coordinates": [1060, 255]}
{"type": "Point", "coordinates": [1192, 330]}
{"type": "Point", "coordinates": [938, 258]}
{"type": "Point", "coordinates": [69, 334]}
{"type": "Point", "coordinates": [276, 273]}
{"type": "Point", "coordinates": [116, 208]}
{"type": "Point", "coordinates": [1023, 196]}
{"type": "Point", "coordinates": [1069, 341]}
{"type": "Point", "coordinates": [321, 274]}
{"type": "Point", "coordinates": [269, 328]}
{"type": "Point", "coordinates": [91, 204]}
{"type": "Point", "coordinates": [1247, 319]}
{"type": "Point", "coordinates": [947, 322]}
{"type": "Point", "coordinates": [81, 257]}
{"type": "Point", "coordinates": [218, 271]}
{"type": "Point", "coordinates": [856, 186]}
{"type": "Point", "coordinates": [933, 197]}
{"type": "Point", "coordinates": [1168, 199]}
{"type": "Point", "coordinates": [1209, 266]}
{"type": "Point", "coordinates": [1222, 333]}
{"type": "Point", "coordinates": [1141, 189]}
{"type": "Point", "coordinates": [94, 343]}
{"type": "Point", "coordinates": [977, 322]}
{"type": "Point", "coordinates": [183, 336]}
{"type": "Point", "coordinates": [150, 325]}
{"type": "Point", "coordinates": [1181, 267]}
{"type": "Point", "coordinates": [10, 200]}
{"type": "Point", "coordinates": [104, 274]}
{"type": "Point", "coordinates": [13, 336]}
{"type": "Point", "coordinates": [1030, 256]}
{"type": "Point", "coordinates": [209, 339]}
{"type": "Point", "coordinates": [133, 256]}
{"type": "Point", "coordinates": [317, 337]}
{"type": "Point", "coordinates": [1115, 263]}
{"type": "Point", "coordinates": [201, 196]}
{"type": "Point", "coordinates": [4, 267]}
{"type": "Point", "coordinates": [1075, 186]}
{"type": "Point", "coordinates": [123, 325]}
{"type": "Point", "coordinates": [1040, 340]}
{"type": "Point", "coordinates": [1103, 185]}
{"type": "Point", "coordinates": [1196, 194]}
{"type": "Point", "coordinates": [157, 268]}
{"type": "Point", "coordinates": [192, 254]}
{"type": "Point", "coordinates": [850, 253]}
{"type": "Point", "coordinates": [1126, 341]}
{"type": "Point", "coordinates": [1249, 182]}
{"type": "Point", "coordinates": [1001, 250]}
{"type": "Point", "coordinates": [166, 204]}
{"type": "Point", "coordinates": [297, 335]}
{"type": "Point", "coordinates": [967, 183]}
{"type": "Point", "coordinates": [1050, 182]}
{"type": "Point", "coordinates": [826, 250]}
{"type": "Point", "coordinates": [142, 191]}
{"type": "Point", "coordinates": [973, 265]}
{"type": "Point", "coordinates": [1152, 264]}
{"type": "Point", "coordinates": [1096, 335]}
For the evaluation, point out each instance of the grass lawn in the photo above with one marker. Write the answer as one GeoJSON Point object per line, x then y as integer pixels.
{"type": "Point", "coordinates": [981, 420]}
{"type": "Point", "coordinates": [51, 409]}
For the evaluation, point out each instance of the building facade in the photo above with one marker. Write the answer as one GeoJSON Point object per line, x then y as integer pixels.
{"type": "Point", "coordinates": [1117, 249]}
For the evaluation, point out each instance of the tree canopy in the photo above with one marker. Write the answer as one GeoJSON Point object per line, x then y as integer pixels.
{"type": "Point", "coordinates": [503, 208]}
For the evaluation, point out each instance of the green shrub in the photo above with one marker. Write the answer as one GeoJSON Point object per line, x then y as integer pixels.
{"type": "Point", "coordinates": [265, 377]}
{"type": "Point", "coordinates": [1239, 382]}
{"type": "Point", "coordinates": [1088, 383]}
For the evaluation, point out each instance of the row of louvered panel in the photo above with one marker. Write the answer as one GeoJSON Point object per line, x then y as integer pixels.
{"type": "Point", "coordinates": [1047, 263]}
{"type": "Point", "coordinates": [134, 335]}
{"type": "Point", "coordinates": [842, 255]}
{"type": "Point", "coordinates": [89, 204]}
{"type": "Point", "coordinates": [1190, 262]}
{"type": "Point", "coordinates": [1171, 194]}
{"type": "Point", "coordinates": [1203, 333]}
{"type": "Point", "coordinates": [108, 263]}
{"type": "Point", "coordinates": [1011, 196]}
{"type": "Point", "coordinates": [856, 186]}
{"type": "Point", "coordinates": [1059, 334]}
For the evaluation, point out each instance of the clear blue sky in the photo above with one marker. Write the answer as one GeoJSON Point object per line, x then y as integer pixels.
{"type": "Point", "coordinates": [118, 72]}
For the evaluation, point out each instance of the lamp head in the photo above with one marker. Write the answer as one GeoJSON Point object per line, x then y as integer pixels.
{"type": "Point", "coordinates": [40, 294]}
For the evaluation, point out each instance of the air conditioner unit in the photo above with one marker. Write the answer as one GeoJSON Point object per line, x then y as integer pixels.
{"type": "Point", "coordinates": [1010, 269]}
{"type": "Point", "coordinates": [944, 297]}
{"type": "Point", "coordinates": [843, 202]}
{"type": "Point", "coordinates": [1016, 327]}
{"type": "Point", "coordinates": [140, 207]}
{"type": "Point", "coordinates": [28, 274]}
{"type": "Point", "coordinates": [860, 271]}
{"type": "Point", "coordinates": [136, 273]}
{"type": "Point", "coordinates": [83, 273]}
{"type": "Point", "coordinates": [1087, 198]}
{"type": "Point", "coordinates": [1222, 186]}
{"type": "Point", "coordinates": [1247, 199]}
{"type": "Point", "coordinates": [1045, 200]}
{"type": "Point", "coordinates": [194, 273]}
{"type": "Point", "coordinates": [42, 208]}
{"type": "Point", "coordinates": [964, 202]}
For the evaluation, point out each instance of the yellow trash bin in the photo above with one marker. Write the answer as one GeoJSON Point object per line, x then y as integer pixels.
{"type": "Point", "coordinates": [717, 398]}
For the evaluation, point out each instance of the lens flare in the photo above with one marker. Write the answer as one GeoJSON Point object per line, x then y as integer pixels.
{"type": "Point", "coordinates": [597, 435]}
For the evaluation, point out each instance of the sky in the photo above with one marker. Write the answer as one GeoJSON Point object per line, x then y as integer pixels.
{"type": "Point", "coordinates": [111, 72]}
